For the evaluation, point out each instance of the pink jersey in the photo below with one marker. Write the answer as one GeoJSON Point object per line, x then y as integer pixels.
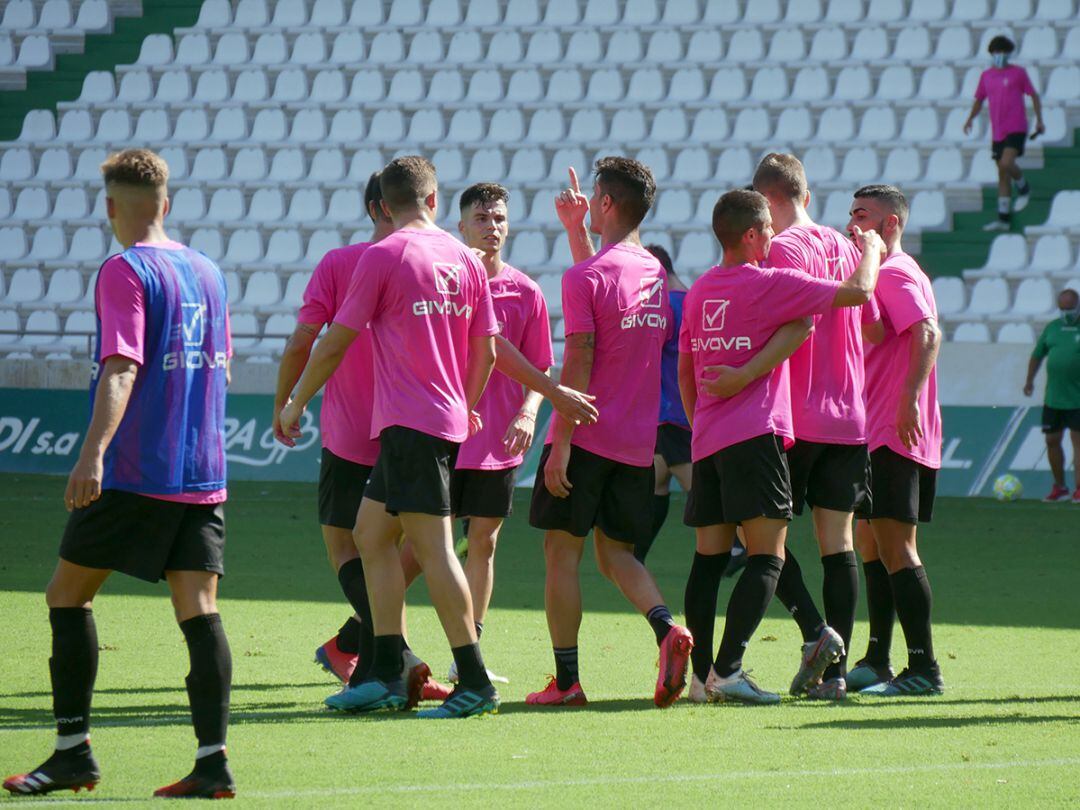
{"type": "Point", "coordinates": [522, 316]}
{"type": "Point", "coordinates": [827, 371]}
{"type": "Point", "coordinates": [1005, 89]}
{"type": "Point", "coordinates": [620, 295]}
{"type": "Point", "coordinates": [121, 307]}
{"type": "Point", "coordinates": [345, 417]}
{"type": "Point", "coordinates": [729, 315]}
{"type": "Point", "coordinates": [424, 294]}
{"type": "Point", "coordinates": [905, 297]}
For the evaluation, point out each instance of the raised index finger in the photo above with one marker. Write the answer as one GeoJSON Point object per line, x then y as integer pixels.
{"type": "Point", "coordinates": [574, 181]}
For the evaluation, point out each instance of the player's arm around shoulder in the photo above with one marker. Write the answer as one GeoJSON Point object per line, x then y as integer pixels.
{"type": "Point", "coordinates": [858, 288]}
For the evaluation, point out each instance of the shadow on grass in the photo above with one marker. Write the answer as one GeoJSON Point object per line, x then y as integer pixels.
{"type": "Point", "coordinates": [147, 690]}
{"type": "Point", "coordinates": [935, 722]}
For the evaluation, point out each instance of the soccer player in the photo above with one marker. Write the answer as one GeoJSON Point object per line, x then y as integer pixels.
{"type": "Point", "coordinates": [740, 473]}
{"type": "Point", "coordinates": [600, 477]}
{"type": "Point", "coordinates": [1059, 344]}
{"type": "Point", "coordinates": [482, 485]}
{"type": "Point", "coordinates": [1005, 86]}
{"type": "Point", "coordinates": [426, 298]}
{"type": "Point", "coordinates": [147, 493]}
{"type": "Point", "coordinates": [903, 424]}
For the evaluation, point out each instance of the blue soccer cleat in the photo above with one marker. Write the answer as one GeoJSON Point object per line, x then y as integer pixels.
{"type": "Point", "coordinates": [864, 674]}
{"type": "Point", "coordinates": [909, 684]}
{"type": "Point", "coordinates": [464, 702]}
{"type": "Point", "coordinates": [371, 695]}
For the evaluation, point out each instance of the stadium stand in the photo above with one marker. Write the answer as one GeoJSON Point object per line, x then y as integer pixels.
{"type": "Point", "coordinates": [272, 115]}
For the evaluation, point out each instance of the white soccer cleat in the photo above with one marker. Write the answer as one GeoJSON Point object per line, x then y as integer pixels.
{"type": "Point", "coordinates": [996, 225]}
{"type": "Point", "coordinates": [453, 675]}
{"type": "Point", "coordinates": [737, 688]}
{"type": "Point", "coordinates": [697, 691]}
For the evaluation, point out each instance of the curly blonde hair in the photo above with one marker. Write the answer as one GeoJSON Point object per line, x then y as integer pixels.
{"type": "Point", "coordinates": [136, 167]}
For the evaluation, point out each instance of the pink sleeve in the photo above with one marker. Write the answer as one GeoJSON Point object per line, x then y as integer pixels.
{"type": "Point", "coordinates": [784, 254]}
{"type": "Point", "coordinates": [536, 340]}
{"type": "Point", "coordinates": [870, 311]}
{"type": "Point", "coordinates": [120, 301]}
{"type": "Point", "coordinates": [577, 298]}
{"type": "Point", "coordinates": [792, 294]}
{"type": "Point", "coordinates": [365, 291]}
{"type": "Point", "coordinates": [1028, 87]}
{"type": "Point", "coordinates": [318, 306]}
{"type": "Point", "coordinates": [980, 89]}
{"type": "Point", "coordinates": [484, 321]}
{"type": "Point", "coordinates": [902, 299]}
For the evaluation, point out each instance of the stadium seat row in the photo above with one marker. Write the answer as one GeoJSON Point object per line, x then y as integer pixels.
{"type": "Point", "coordinates": [21, 16]}
{"type": "Point", "coordinates": [1013, 256]}
{"type": "Point", "coordinates": [992, 298]}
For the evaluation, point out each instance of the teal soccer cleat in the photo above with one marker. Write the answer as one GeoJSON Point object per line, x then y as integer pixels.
{"type": "Point", "coordinates": [909, 684]}
{"type": "Point", "coordinates": [464, 702]}
{"type": "Point", "coordinates": [371, 695]}
{"type": "Point", "coordinates": [865, 674]}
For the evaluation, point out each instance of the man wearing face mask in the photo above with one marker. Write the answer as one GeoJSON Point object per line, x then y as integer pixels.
{"type": "Point", "coordinates": [1004, 86]}
{"type": "Point", "coordinates": [1059, 343]}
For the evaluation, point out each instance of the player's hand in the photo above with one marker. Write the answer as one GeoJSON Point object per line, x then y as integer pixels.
{"type": "Point", "coordinates": [571, 205]}
{"type": "Point", "coordinates": [279, 434]}
{"type": "Point", "coordinates": [476, 424]}
{"type": "Point", "coordinates": [289, 420]}
{"type": "Point", "coordinates": [869, 240]}
{"type": "Point", "coordinates": [1029, 389]}
{"type": "Point", "coordinates": [727, 382]}
{"type": "Point", "coordinates": [908, 423]}
{"type": "Point", "coordinates": [1040, 128]}
{"type": "Point", "coordinates": [555, 479]}
{"type": "Point", "coordinates": [519, 435]}
{"type": "Point", "coordinates": [574, 406]}
{"type": "Point", "coordinates": [967, 127]}
{"type": "Point", "coordinates": [84, 483]}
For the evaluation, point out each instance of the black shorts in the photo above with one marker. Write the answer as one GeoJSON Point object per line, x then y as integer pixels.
{"type": "Point", "coordinates": [1014, 140]}
{"type": "Point", "coordinates": [144, 537]}
{"type": "Point", "coordinates": [614, 497]}
{"type": "Point", "coordinates": [673, 444]}
{"type": "Point", "coordinates": [483, 493]}
{"type": "Point", "coordinates": [341, 488]}
{"type": "Point", "coordinates": [903, 489]}
{"type": "Point", "coordinates": [832, 476]}
{"type": "Point", "coordinates": [413, 472]}
{"type": "Point", "coordinates": [1055, 420]}
{"type": "Point", "coordinates": [744, 481]}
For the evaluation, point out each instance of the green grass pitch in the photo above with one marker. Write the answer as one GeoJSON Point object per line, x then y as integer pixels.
{"type": "Point", "coordinates": [1006, 733]}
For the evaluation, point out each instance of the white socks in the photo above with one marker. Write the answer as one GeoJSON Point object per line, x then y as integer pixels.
{"type": "Point", "coordinates": [66, 741]}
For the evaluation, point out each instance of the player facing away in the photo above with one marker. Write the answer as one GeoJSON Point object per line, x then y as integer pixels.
{"type": "Point", "coordinates": [147, 493]}
{"type": "Point", "coordinates": [426, 298]}
{"type": "Point", "coordinates": [740, 471]}
{"type": "Point", "coordinates": [1004, 87]}
{"type": "Point", "coordinates": [903, 424]}
{"type": "Point", "coordinates": [829, 463]}
{"type": "Point", "coordinates": [349, 452]}
{"type": "Point", "coordinates": [600, 477]}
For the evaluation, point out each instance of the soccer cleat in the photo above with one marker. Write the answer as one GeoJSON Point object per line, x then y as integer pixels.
{"type": "Point", "coordinates": [1076, 496]}
{"type": "Point", "coordinates": [414, 673]}
{"type": "Point", "coordinates": [1022, 199]}
{"type": "Point", "coordinates": [909, 684]}
{"type": "Point", "coordinates": [464, 702]}
{"type": "Point", "coordinates": [339, 664]}
{"type": "Point", "coordinates": [737, 688]}
{"type": "Point", "coordinates": [865, 674]}
{"type": "Point", "coordinates": [816, 657]}
{"type": "Point", "coordinates": [1057, 494]}
{"type": "Point", "coordinates": [64, 770]}
{"type": "Point", "coordinates": [371, 695]}
{"type": "Point", "coordinates": [674, 660]}
{"type": "Point", "coordinates": [452, 676]}
{"type": "Point", "coordinates": [736, 563]}
{"type": "Point", "coordinates": [552, 695]}
{"type": "Point", "coordinates": [831, 689]}
{"type": "Point", "coordinates": [697, 691]}
{"type": "Point", "coordinates": [199, 786]}
{"type": "Point", "coordinates": [997, 225]}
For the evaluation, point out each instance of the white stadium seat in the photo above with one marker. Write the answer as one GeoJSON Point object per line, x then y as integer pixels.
{"type": "Point", "coordinates": [989, 296]}
{"type": "Point", "coordinates": [971, 333]}
{"type": "Point", "coordinates": [1021, 333]}
{"type": "Point", "coordinates": [949, 295]}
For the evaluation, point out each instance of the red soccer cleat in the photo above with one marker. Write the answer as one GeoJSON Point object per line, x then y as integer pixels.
{"type": "Point", "coordinates": [64, 770]}
{"type": "Point", "coordinates": [674, 659]}
{"type": "Point", "coordinates": [333, 660]}
{"type": "Point", "coordinates": [552, 695]}
{"type": "Point", "coordinates": [1076, 496]}
{"type": "Point", "coordinates": [433, 690]}
{"type": "Point", "coordinates": [194, 786]}
{"type": "Point", "coordinates": [1057, 494]}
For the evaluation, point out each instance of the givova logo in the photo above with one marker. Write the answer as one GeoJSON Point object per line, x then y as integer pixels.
{"type": "Point", "coordinates": [652, 293]}
{"type": "Point", "coordinates": [447, 278]}
{"type": "Point", "coordinates": [714, 313]}
{"type": "Point", "coordinates": [193, 323]}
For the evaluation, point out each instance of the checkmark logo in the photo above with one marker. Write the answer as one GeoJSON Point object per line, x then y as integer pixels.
{"type": "Point", "coordinates": [193, 324]}
{"type": "Point", "coordinates": [714, 312]}
{"type": "Point", "coordinates": [652, 292]}
{"type": "Point", "coordinates": [447, 278]}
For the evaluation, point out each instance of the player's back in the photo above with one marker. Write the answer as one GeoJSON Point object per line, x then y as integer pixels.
{"type": "Point", "coordinates": [671, 407]}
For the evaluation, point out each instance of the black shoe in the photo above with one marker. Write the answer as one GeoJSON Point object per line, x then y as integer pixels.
{"type": "Point", "coordinates": [218, 784]}
{"type": "Point", "coordinates": [910, 683]}
{"type": "Point", "coordinates": [73, 769]}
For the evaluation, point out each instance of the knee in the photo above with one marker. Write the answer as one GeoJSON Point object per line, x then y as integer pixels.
{"type": "Point", "coordinates": [608, 556]}
{"type": "Point", "coordinates": [482, 546]}
{"type": "Point", "coordinates": [898, 557]}
{"type": "Point", "coordinates": [1053, 441]}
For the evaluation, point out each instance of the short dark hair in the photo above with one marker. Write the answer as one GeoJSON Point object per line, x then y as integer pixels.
{"type": "Point", "coordinates": [781, 174]}
{"type": "Point", "coordinates": [1001, 44]}
{"type": "Point", "coordinates": [737, 212]}
{"type": "Point", "coordinates": [660, 252]}
{"type": "Point", "coordinates": [1069, 291]}
{"type": "Point", "coordinates": [483, 193]}
{"type": "Point", "coordinates": [136, 167]}
{"type": "Point", "coordinates": [407, 180]}
{"type": "Point", "coordinates": [373, 196]}
{"type": "Point", "coordinates": [891, 196]}
{"type": "Point", "coordinates": [630, 185]}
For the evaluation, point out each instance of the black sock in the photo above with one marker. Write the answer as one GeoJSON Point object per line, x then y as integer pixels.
{"type": "Point", "coordinates": [386, 663]}
{"type": "Point", "coordinates": [212, 764]}
{"type": "Point", "coordinates": [840, 590]}
{"type": "Point", "coordinates": [914, 601]}
{"type": "Point", "coordinates": [746, 608]}
{"type": "Point", "coordinates": [661, 622]}
{"type": "Point", "coordinates": [348, 636]}
{"type": "Point", "coordinates": [1022, 187]}
{"type": "Point", "coordinates": [882, 610]}
{"type": "Point", "coordinates": [210, 678]}
{"type": "Point", "coordinates": [566, 669]}
{"type": "Point", "coordinates": [470, 666]}
{"type": "Point", "coordinates": [354, 586]}
{"type": "Point", "coordinates": [699, 602]}
{"type": "Point", "coordinates": [479, 629]}
{"type": "Point", "coordinates": [791, 591]}
{"type": "Point", "coordinates": [73, 667]}
{"type": "Point", "coordinates": [660, 513]}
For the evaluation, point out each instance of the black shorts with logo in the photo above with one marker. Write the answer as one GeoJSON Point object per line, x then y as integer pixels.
{"type": "Point", "coordinates": [483, 493]}
{"type": "Point", "coordinates": [413, 472]}
{"type": "Point", "coordinates": [744, 481]}
{"type": "Point", "coordinates": [614, 497]}
{"type": "Point", "coordinates": [1055, 420]}
{"type": "Point", "coordinates": [903, 489]}
{"type": "Point", "coordinates": [673, 444]}
{"type": "Point", "coordinates": [832, 476]}
{"type": "Point", "coordinates": [1014, 140]}
{"type": "Point", "coordinates": [144, 537]}
{"type": "Point", "coordinates": [341, 488]}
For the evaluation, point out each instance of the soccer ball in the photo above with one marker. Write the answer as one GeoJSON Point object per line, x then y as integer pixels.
{"type": "Point", "coordinates": [1008, 488]}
